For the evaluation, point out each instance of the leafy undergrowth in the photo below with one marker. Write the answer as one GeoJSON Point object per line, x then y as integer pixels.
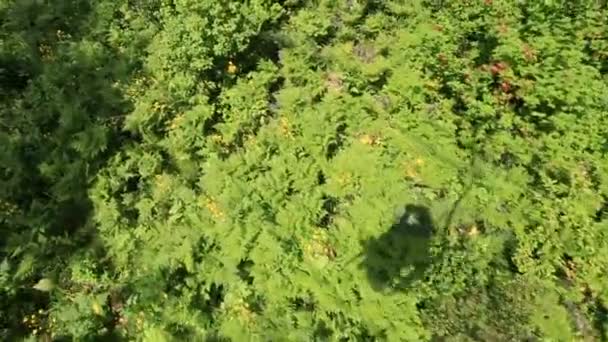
{"type": "Point", "coordinates": [292, 170]}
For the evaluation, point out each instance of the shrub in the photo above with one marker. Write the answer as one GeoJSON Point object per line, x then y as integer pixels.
{"type": "Point", "coordinates": [293, 170]}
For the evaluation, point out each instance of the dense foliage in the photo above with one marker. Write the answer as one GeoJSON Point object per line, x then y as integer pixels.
{"type": "Point", "coordinates": [357, 170]}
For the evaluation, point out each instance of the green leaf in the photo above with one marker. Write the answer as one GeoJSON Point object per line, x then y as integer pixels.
{"type": "Point", "coordinates": [44, 285]}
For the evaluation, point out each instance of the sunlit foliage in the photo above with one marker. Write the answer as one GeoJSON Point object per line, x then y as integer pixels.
{"type": "Point", "coordinates": [261, 170]}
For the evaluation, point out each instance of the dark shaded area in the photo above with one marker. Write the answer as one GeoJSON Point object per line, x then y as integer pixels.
{"type": "Point", "coordinates": [244, 271]}
{"type": "Point", "coordinates": [337, 142]}
{"type": "Point", "coordinates": [208, 299]}
{"type": "Point", "coordinates": [304, 302]}
{"type": "Point", "coordinates": [401, 255]}
{"type": "Point", "coordinates": [329, 209]}
{"type": "Point", "coordinates": [14, 75]}
{"type": "Point", "coordinates": [600, 319]}
{"type": "Point", "coordinates": [54, 96]}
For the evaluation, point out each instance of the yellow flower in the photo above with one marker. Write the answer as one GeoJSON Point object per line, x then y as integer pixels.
{"type": "Point", "coordinates": [284, 127]}
{"type": "Point", "coordinates": [412, 169]}
{"type": "Point", "coordinates": [176, 122]}
{"type": "Point", "coordinates": [216, 138]}
{"type": "Point", "coordinates": [96, 308]}
{"type": "Point", "coordinates": [46, 52]}
{"type": "Point", "coordinates": [344, 178]}
{"type": "Point", "coordinates": [319, 247]}
{"type": "Point", "coordinates": [214, 208]}
{"type": "Point", "coordinates": [411, 173]}
{"type": "Point", "coordinates": [367, 139]}
{"type": "Point", "coordinates": [232, 68]}
{"type": "Point", "coordinates": [140, 323]}
{"type": "Point", "coordinates": [158, 107]}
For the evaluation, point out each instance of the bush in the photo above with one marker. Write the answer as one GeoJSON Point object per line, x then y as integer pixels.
{"type": "Point", "coordinates": [293, 170]}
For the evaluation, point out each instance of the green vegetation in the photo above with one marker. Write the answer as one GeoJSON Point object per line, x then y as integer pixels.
{"type": "Point", "coordinates": [356, 170]}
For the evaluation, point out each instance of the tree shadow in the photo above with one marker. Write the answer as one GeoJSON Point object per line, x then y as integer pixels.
{"type": "Point", "coordinates": [58, 126]}
{"type": "Point", "coordinates": [401, 255]}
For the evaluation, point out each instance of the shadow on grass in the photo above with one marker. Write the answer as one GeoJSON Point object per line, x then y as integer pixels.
{"type": "Point", "coordinates": [401, 255]}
